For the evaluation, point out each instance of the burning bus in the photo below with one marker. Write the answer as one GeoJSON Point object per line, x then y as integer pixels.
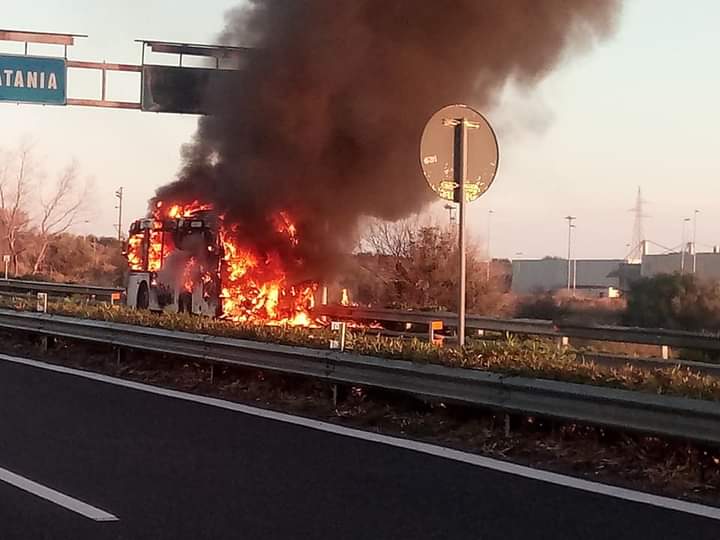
{"type": "Point", "coordinates": [184, 258]}
{"type": "Point", "coordinates": [174, 262]}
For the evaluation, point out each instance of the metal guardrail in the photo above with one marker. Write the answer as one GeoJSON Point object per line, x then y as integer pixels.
{"type": "Point", "coordinates": [644, 412]}
{"type": "Point", "coordinates": [58, 289]}
{"type": "Point", "coordinates": [619, 361]}
{"type": "Point", "coordinates": [619, 334]}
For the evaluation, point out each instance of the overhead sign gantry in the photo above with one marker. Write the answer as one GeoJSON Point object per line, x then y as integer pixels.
{"type": "Point", "coordinates": [28, 78]}
{"type": "Point", "coordinates": [183, 89]}
{"type": "Point", "coordinates": [34, 79]}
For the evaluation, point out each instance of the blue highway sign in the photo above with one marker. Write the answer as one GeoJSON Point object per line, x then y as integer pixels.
{"type": "Point", "coordinates": [30, 79]}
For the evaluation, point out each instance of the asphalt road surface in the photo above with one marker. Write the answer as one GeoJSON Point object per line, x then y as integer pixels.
{"type": "Point", "coordinates": [124, 463]}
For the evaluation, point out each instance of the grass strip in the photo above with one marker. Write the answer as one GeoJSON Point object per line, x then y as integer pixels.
{"type": "Point", "coordinates": [535, 358]}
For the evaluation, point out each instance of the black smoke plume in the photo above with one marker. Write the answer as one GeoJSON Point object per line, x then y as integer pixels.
{"type": "Point", "coordinates": [325, 117]}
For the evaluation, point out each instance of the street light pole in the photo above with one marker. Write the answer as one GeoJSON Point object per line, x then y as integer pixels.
{"type": "Point", "coordinates": [489, 258]}
{"type": "Point", "coordinates": [570, 220]}
{"type": "Point", "coordinates": [119, 195]}
{"type": "Point", "coordinates": [683, 245]}
{"type": "Point", "coordinates": [694, 240]}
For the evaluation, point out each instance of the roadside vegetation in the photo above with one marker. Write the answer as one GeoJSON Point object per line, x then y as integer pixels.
{"type": "Point", "coordinates": [676, 301]}
{"type": "Point", "coordinates": [536, 358]}
{"type": "Point", "coordinates": [39, 210]}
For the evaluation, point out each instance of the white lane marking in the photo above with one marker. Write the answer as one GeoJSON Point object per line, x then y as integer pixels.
{"type": "Point", "coordinates": [56, 497]}
{"type": "Point", "coordinates": [424, 448]}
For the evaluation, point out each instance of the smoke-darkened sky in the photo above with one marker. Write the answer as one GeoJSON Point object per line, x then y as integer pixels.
{"type": "Point", "coordinates": [639, 108]}
{"type": "Point", "coordinates": [325, 118]}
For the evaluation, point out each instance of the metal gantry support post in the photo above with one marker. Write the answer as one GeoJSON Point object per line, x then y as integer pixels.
{"type": "Point", "coordinates": [104, 82]}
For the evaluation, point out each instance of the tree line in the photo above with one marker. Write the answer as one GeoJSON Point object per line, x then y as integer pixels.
{"type": "Point", "coordinates": [403, 264]}
{"type": "Point", "coordinates": [38, 211]}
{"type": "Point", "coordinates": [413, 263]}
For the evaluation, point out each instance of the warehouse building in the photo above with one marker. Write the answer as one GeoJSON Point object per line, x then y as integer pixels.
{"type": "Point", "coordinates": [706, 265]}
{"type": "Point", "coordinates": [601, 277]}
{"type": "Point", "coordinates": [590, 277]}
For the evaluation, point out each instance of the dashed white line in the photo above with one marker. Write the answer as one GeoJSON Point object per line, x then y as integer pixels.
{"type": "Point", "coordinates": [425, 448]}
{"type": "Point", "coordinates": [55, 497]}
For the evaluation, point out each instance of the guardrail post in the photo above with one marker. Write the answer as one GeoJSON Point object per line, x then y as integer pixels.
{"type": "Point", "coordinates": [563, 342]}
{"type": "Point", "coordinates": [665, 350]}
{"type": "Point", "coordinates": [339, 344]}
{"type": "Point", "coordinates": [42, 301]}
{"type": "Point", "coordinates": [341, 327]}
{"type": "Point", "coordinates": [433, 327]}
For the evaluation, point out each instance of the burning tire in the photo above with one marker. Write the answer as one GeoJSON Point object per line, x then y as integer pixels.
{"type": "Point", "coordinates": [143, 296]}
{"type": "Point", "coordinates": [185, 303]}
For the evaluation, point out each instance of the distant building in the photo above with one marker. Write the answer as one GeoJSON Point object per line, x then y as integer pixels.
{"type": "Point", "coordinates": [595, 277]}
{"type": "Point", "coordinates": [592, 277]}
{"type": "Point", "coordinates": [707, 264]}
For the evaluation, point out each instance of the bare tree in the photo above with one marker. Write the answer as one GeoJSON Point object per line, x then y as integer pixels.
{"type": "Point", "coordinates": [17, 174]}
{"type": "Point", "coordinates": [417, 262]}
{"type": "Point", "coordinates": [393, 238]}
{"type": "Point", "coordinates": [62, 207]}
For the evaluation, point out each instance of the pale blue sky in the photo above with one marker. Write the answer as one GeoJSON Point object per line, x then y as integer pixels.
{"type": "Point", "coordinates": [640, 109]}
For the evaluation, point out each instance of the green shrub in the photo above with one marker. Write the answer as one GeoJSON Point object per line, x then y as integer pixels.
{"type": "Point", "coordinates": [545, 307]}
{"type": "Point", "coordinates": [674, 301]}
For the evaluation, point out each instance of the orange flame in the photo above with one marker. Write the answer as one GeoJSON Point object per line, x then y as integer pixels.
{"type": "Point", "coordinates": [254, 286]}
{"type": "Point", "coordinates": [255, 289]}
{"type": "Point", "coordinates": [155, 250]}
{"type": "Point", "coordinates": [135, 252]}
{"type": "Point", "coordinates": [285, 226]}
{"type": "Point", "coordinates": [180, 210]}
{"type": "Point", "coordinates": [188, 278]}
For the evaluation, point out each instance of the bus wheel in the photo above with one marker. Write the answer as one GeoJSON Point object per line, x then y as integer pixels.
{"type": "Point", "coordinates": [143, 297]}
{"type": "Point", "coordinates": [185, 303]}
